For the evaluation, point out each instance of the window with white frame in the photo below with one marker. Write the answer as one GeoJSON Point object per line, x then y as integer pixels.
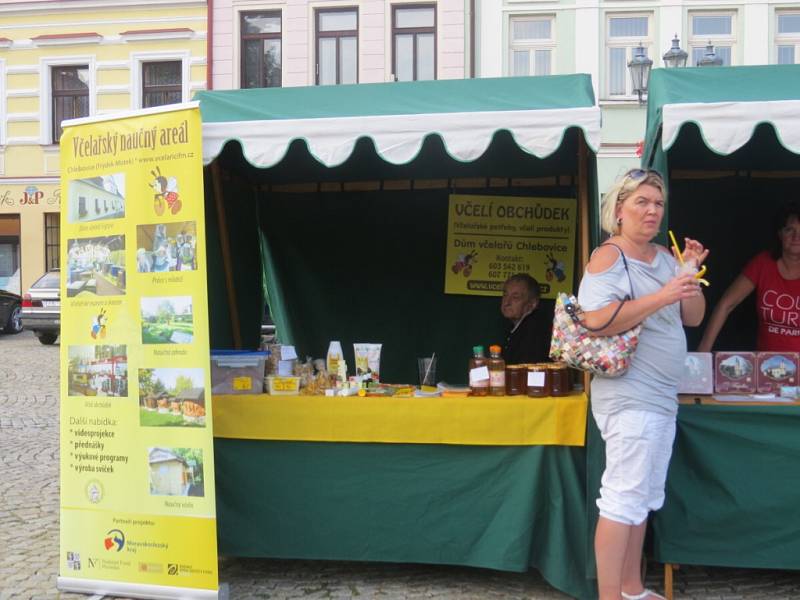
{"type": "Point", "coordinates": [532, 45]}
{"type": "Point", "coordinates": [69, 90]}
{"type": "Point", "coordinates": [787, 38]}
{"type": "Point", "coordinates": [161, 83]}
{"type": "Point", "coordinates": [337, 46]}
{"type": "Point", "coordinates": [624, 32]}
{"type": "Point", "coordinates": [261, 49]}
{"type": "Point", "coordinates": [414, 42]}
{"type": "Point", "coordinates": [715, 28]}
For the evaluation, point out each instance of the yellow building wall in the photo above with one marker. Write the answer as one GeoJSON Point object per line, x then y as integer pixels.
{"type": "Point", "coordinates": [26, 163]}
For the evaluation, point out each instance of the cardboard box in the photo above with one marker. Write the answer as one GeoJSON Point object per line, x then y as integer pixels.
{"type": "Point", "coordinates": [735, 372]}
{"type": "Point", "coordinates": [775, 369]}
{"type": "Point", "coordinates": [698, 374]}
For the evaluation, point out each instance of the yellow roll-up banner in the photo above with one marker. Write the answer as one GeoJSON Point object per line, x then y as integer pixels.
{"type": "Point", "coordinates": [138, 515]}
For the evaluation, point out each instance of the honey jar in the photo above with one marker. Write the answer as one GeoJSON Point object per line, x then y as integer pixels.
{"type": "Point", "coordinates": [559, 380]}
{"type": "Point", "coordinates": [539, 380]}
{"type": "Point", "coordinates": [516, 380]}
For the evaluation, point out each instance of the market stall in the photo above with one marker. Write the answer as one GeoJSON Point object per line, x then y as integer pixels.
{"type": "Point", "coordinates": [331, 205]}
{"type": "Point", "coordinates": [728, 140]}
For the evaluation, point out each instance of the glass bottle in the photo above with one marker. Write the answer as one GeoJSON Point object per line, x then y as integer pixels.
{"type": "Point", "coordinates": [497, 372]}
{"type": "Point", "coordinates": [478, 373]}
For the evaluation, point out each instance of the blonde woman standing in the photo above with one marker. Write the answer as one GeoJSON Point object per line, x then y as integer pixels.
{"type": "Point", "coordinates": [636, 412]}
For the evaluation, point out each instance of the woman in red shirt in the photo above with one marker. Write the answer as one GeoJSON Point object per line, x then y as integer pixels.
{"type": "Point", "coordinates": [775, 277]}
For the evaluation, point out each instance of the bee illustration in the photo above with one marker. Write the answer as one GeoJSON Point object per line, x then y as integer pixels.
{"type": "Point", "coordinates": [166, 192]}
{"type": "Point", "coordinates": [464, 263]}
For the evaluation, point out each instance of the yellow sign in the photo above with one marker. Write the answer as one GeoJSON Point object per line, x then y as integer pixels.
{"type": "Point", "coordinates": [138, 512]}
{"type": "Point", "coordinates": [491, 238]}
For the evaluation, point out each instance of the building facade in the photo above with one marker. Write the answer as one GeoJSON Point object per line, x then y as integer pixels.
{"type": "Point", "coordinates": [62, 59]}
{"type": "Point", "coordinates": [268, 43]}
{"type": "Point", "coordinates": [541, 37]}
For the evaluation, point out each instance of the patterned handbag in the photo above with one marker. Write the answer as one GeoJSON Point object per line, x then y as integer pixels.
{"type": "Point", "coordinates": [574, 345]}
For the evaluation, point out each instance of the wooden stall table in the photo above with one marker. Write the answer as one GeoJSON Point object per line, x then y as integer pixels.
{"type": "Point", "coordinates": [733, 488]}
{"type": "Point", "coordinates": [494, 482]}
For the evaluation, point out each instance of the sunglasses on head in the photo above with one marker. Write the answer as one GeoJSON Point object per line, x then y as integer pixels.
{"type": "Point", "coordinates": [635, 174]}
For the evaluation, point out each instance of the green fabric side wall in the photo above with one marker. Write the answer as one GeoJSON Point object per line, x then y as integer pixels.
{"type": "Point", "coordinates": [733, 489]}
{"type": "Point", "coordinates": [506, 508]}
{"type": "Point", "coordinates": [242, 219]}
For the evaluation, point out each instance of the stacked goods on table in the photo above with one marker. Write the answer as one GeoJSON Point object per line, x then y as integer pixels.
{"type": "Point", "coordinates": [760, 375]}
{"type": "Point", "coordinates": [277, 370]}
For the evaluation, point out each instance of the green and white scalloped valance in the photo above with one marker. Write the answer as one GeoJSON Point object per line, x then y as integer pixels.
{"type": "Point", "coordinates": [397, 117]}
{"type": "Point", "coordinates": [727, 126]}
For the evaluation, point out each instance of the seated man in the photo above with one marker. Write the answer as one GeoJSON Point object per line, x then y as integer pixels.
{"type": "Point", "coordinates": [529, 338]}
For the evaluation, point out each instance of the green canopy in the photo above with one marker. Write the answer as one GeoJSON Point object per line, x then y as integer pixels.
{"type": "Point", "coordinates": [726, 105]}
{"type": "Point", "coordinates": [335, 203]}
{"type": "Point", "coordinates": [398, 116]}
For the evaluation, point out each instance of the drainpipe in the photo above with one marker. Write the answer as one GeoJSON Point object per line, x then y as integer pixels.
{"type": "Point", "coordinates": [472, 39]}
{"type": "Point", "coordinates": [209, 44]}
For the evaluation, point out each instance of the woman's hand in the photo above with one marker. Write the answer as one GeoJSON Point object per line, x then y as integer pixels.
{"type": "Point", "coordinates": [680, 287]}
{"type": "Point", "coordinates": [693, 250]}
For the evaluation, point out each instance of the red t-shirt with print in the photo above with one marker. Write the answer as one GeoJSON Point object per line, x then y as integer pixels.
{"type": "Point", "coordinates": [777, 304]}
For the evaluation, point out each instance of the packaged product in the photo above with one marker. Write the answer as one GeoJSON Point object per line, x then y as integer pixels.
{"type": "Point", "coordinates": [735, 373]}
{"type": "Point", "coordinates": [368, 360]}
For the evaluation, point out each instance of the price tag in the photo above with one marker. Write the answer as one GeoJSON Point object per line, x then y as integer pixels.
{"type": "Point", "coordinates": [536, 378]}
{"type": "Point", "coordinates": [280, 384]}
{"type": "Point", "coordinates": [242, 383]}
{"type": "Point", "coordinates": [478, 374]}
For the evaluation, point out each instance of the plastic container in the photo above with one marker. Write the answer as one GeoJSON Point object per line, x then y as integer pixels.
{"type": "Point", "coordinates": [497, 372]}
{"type": "Point", "coordinates": [283, 386]}
{"type": "Point", "coordinates": [478, 373]}
{"type": "Point", "coordinates": [237, 372]}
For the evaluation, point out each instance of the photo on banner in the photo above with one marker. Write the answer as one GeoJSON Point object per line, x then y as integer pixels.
{"type": "Point", "coordinates": [138, 513]}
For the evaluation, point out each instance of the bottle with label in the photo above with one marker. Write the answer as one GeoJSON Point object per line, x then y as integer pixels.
{"type": "Point", "coordinates": [334, 358]}
{"type": "Point", "coordinates": [478, 373]}
{"type": "Point", "coordinates": [497, 372]}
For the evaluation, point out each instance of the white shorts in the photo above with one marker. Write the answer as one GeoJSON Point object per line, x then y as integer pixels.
{"type": "Point", "coordinates": [638, 449]}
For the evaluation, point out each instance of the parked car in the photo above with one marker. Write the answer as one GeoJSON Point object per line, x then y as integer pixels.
{"type": "Point", "coordinates": [10, 308]}
{"type": "Point", "coordinates": [41, 307]}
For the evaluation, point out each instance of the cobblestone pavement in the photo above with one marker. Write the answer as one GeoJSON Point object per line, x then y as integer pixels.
{"type": "Point", "coordinates": [29, 525]}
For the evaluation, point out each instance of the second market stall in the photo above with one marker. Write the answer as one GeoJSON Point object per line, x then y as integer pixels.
{"type": "Point", "coordinates": [728, 143]}
{"type": "Point", "coordinates": [331, 205]}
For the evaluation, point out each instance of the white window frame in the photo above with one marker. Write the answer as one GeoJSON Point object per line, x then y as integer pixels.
{"type": "Point", "coordinates": [701, 41]}
{"type": "Point", "coordinates": [531, 45]}
{"type": "Point", "coordinates": [629, 43]}
{"type": "Point", "coordinates": [46, 86]}
{"type": "Point", "coordinates": [137, 64]}
{"type": "Point", "coordinates": [786, 39]}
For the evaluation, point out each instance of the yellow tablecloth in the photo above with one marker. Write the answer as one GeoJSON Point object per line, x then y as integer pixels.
{"type": "Point", "coordinates": [484, 421]}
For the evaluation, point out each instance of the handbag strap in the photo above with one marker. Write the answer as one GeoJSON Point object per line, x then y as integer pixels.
{"type": "Point", "coordinates": [624, 300]}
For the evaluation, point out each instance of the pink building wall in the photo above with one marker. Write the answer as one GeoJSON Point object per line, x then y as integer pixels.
{"type": "Point", "coordinates": [374, 39]}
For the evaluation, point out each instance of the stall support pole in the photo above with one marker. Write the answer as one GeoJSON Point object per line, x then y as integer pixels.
{"type": "Point", "coordinates": [224, 240]}
{"type": "Point", "coordinates": [583, 218]}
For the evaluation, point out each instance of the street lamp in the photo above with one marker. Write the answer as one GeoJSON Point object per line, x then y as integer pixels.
{"type": "Point", "coordinates": [675, 56]}
{"type": "Point", "coordinates": [640, 67]}
{"type": "Point", "coordinates": [710, 59]}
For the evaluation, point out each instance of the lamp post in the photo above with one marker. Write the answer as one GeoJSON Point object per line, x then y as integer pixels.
{"type": "Point", "coordinates": [675, 56]}
{"type": "Point", "coordinates": [640, 67]}
{"type": "Point", "coordinates": [710, 59]}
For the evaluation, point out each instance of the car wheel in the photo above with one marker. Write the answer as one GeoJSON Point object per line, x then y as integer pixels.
{"type": "Point", "coordinates": [14, 323]}
{"type": "Point", "coordinates": [47, 338]}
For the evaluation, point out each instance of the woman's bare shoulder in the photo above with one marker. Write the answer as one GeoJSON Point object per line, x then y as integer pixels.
{"type": "Point", "coordinates": [603, 259]}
